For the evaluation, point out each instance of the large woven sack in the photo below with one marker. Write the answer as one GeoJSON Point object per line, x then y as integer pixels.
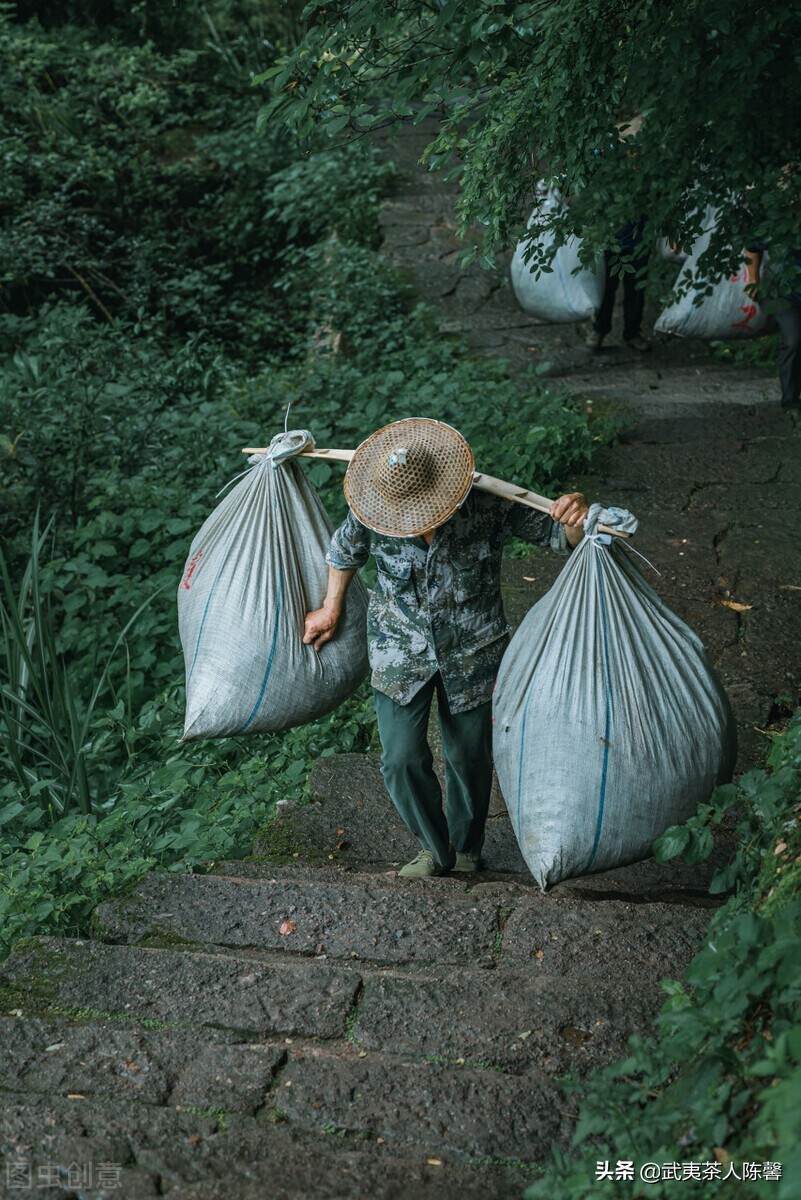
{"type": "Point", "coordinates": [557, 295]}
{"type": "Point", "coordinates": [727, 312]}
{"type": "Point", "coordinates": [610, 725]}
{"type": "Point", "coordinates": [254, 570]}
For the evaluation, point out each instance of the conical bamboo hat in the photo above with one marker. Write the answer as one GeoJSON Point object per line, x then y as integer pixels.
{"type": "Point", "coordinates": [409, 476]}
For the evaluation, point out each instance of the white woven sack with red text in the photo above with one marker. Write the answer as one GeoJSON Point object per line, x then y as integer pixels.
{"type": "Point", "coordinates": [254, 569]}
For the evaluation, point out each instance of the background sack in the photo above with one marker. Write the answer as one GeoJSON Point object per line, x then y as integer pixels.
{"type": "Point", "coordinates": [556, 296]}
{"type": "Point", "coordinates": [667, 250]}
{"type": "Point", "coordinates": [728, 312]}
{"type": "Point", "coordinates": [609, 723]}
{"type": "Point", "coordinates": [254, 570]}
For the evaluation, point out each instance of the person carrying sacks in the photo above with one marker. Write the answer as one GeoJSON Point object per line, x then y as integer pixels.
{"type": "Point", "coordinates": [435, 621]}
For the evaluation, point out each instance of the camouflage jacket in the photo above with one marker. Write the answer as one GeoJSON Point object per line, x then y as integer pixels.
{"type": "Point", "coordinates": [439, 607]}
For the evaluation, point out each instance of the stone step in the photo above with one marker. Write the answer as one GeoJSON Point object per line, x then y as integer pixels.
{"type": "Point", "coordinates": [128, 1062]}
{"type": "Point", "coordinates": [130, 1150]}
{"type": "Point", "coordinates": [410, 183]}
{"type": "Point", "coordinates": [511, 1022]}
{"type": "Point", "coordinates": [438, 278]}
{"type": "Point", "coordinates": [162, 988]}
{"type": "Point", "coordinates": [681, 394]}
{"type": "Point", "coordinates": [352, 819]}
{"type": "Point", "coordinates": [437, 1106]}
{"type": "Point", "coordinates": [331, 912]}
{"type": "Point", "coordinates": [428, 207]}
{"type": "Point", "coordinates": [464, 1111]}
{"type": "Point", "coordinates": [341, 913]}
{"type": "Point", "coordinates": [369, 1178]}
{"type": "Point", "coordinates": [502, 319]}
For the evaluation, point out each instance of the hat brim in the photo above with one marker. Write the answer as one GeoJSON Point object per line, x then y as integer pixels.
{"type": "Point", "coordinates": [434, 502]}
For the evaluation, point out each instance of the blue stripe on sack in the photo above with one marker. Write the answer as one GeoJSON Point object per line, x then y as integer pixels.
{"type": "Point", "coordinates": [607, 725]}
{"type": "Point", "coordinates": [270, 658]}
{"type": "Point", "coordinates": [203, 619]}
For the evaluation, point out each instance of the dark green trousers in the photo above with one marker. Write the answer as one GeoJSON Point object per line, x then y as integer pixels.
{"type": "Point", "coordinates": [408, 768]}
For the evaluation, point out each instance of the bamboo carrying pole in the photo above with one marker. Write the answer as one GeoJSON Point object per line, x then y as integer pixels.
{"type": "Point", "coordinates": [487, 483]}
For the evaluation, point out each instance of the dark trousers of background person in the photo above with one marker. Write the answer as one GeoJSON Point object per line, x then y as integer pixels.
{"type": "Point", "coordinates": [633, 297]}
{"type": "Point", "coordinates": [788, 319]}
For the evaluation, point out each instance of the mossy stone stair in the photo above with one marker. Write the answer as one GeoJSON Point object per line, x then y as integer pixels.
{"type": "Point", "coordinates": [233, 1028]}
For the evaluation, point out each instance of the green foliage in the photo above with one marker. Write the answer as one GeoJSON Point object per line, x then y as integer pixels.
{"type": "Point", "coordinates": [117, 437]}
{"type": "Point", "coordinates": [46, 721]}
{"type": "Point", "coordinates": [337, 193]}
{"type": "Point", "coordinates": [721, 1075]}
{"type": "Point", "coordinates": [86, 406]}
{"type": "Point", "coordinates": [352, 292]}
{"type": "Point", "coordinates": [174, 807]}
{"type": "Point", "coordinates": [240, 29]}
{"type": "Point", "coordinates": [135, 179]}
{"type": "Point", "coordinates": [750, 352]}
{"type": "Point", "coordinates": [538, 88]}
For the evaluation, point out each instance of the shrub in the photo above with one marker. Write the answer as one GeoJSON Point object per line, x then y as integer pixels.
{"type": "Point", "coordinates": [750, 352]}
{"type": "Point", "coordinates": [46, 721]}
{"type": "Point", "coordinates": [134, 178]}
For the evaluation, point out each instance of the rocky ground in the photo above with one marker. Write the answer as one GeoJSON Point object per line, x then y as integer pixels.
{"type": "Point", "coordinates": [306, 1024]}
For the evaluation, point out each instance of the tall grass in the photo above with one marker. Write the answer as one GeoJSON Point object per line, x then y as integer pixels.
{"type": "Point", "coordinates": [46, 725]}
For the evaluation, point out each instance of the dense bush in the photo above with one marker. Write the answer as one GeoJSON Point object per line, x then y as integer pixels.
{"type": "Point", "coordinates": [720, 1079]}
{"type": "Point", "coordinates": [134, 178]}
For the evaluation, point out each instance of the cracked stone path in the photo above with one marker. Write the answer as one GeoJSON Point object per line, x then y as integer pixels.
{"type": "Point", "coordinates": [303, 1023]}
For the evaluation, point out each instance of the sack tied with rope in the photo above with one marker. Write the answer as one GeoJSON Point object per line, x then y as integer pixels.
{"type": "Point", "coordinates": [609, 722]}
{"type": "Point", "coordinates": [254, 569]}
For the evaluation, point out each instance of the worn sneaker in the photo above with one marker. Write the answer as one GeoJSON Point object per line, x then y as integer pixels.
{"type": "Point", "coordinates": [641, 344]}
{"type": "Point", "coordinates": [467, 862]}
{"type": "Point", "coordinates": [421, 866]}
{"type": "Point", "coordinates": [593, 340]}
